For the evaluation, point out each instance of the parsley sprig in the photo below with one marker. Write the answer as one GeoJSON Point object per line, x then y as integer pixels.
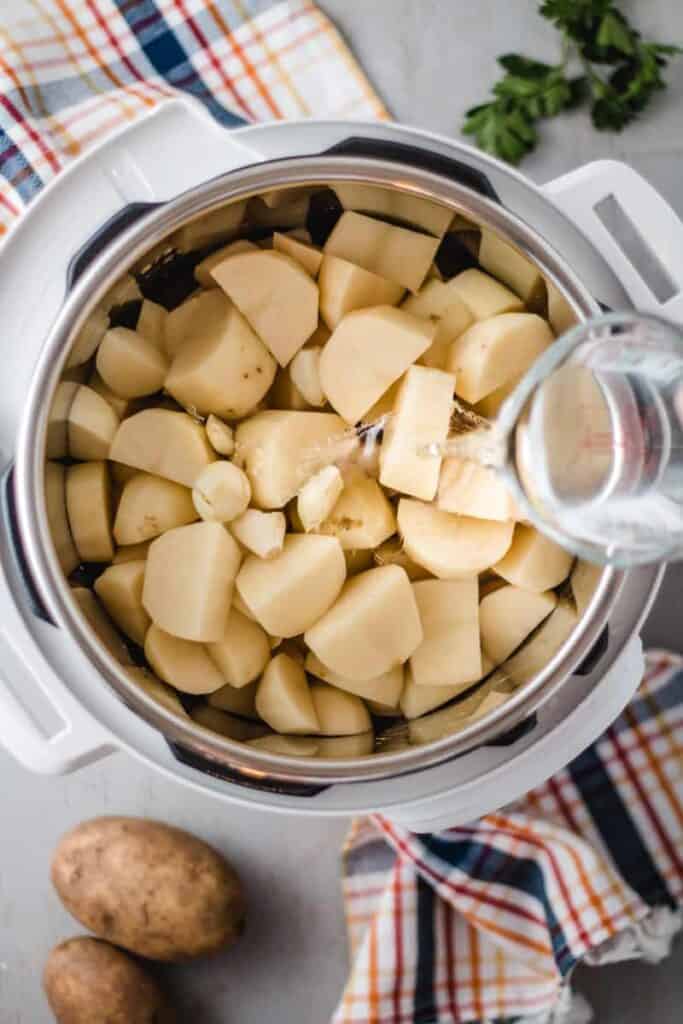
{"type": "Point", "coordinates": [620, 75]}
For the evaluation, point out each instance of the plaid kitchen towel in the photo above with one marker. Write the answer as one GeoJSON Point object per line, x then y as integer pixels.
{"type": "Point", "coordinates": [72, 71]}
{"type": "Point", "coordinates": [486, 922]}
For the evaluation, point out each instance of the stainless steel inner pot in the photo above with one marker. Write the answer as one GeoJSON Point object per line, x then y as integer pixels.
{"type": "Point", "coordinates": [208, 750]}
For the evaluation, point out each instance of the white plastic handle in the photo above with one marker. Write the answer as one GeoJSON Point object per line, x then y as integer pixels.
{"type": "Point", "coordinates": [578, 193]}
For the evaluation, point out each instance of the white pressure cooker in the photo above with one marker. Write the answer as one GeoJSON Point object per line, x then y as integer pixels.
{"type": "Point", "coordinates": [64, 700]}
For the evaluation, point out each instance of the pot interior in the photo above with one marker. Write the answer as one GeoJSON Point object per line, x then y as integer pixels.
{"type": "Point", "coordinates": [166, 275]}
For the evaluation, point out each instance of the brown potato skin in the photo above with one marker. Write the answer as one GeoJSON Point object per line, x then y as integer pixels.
{"type": "Point", "coordinates": [87, 981]}
{"type": "Point", "coordinates": [154, 890]}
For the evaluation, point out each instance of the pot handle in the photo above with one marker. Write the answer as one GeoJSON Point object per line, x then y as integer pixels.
{"type": "Point", "coordinates": [656, 229]}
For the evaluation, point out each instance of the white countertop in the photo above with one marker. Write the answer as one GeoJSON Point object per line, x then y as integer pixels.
{"type": "Point", "coordinates": [430, 60]}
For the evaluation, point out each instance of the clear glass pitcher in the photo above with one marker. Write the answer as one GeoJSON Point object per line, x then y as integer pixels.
{"type": "Point", "coordinates": [591, 440]}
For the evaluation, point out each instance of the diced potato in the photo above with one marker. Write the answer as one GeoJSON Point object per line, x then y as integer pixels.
{"type": "Point", "coordinates": [584, 581]}
{"type": "Point", "coordinates": [277, 297]}
{"type": "Point", "coordinates": [353, 373]}
{"type": "Point", "coordinates": [345, 287]}
{"type": "Point", "coordinates": [383, 710]}
{"type": "Point", "coordinates": [55, 503]}
{"type": "Point", "coordinates": [534, 655]}
{"type": "Point", "coordinates": [455, 718]}
{"type": "Point", "coordinates": [181, 663]}
{"type": "Point", "coordinates": [243, 652]}
{"type": "Point", "coordinates": [318, 496]}
{"type": "Point", "coordinates": [417, 700]}
{"type": "Point", "coordinates": [469, 489]}
{"type": "Point", "coordinates": [560, 314]}
{"type": "Point", "coordinates": [209, 228]}
{"type": "Point", "coordinates": [222, 367]}
{"type": "Point", "coordinates": [101, 624]}
{"type": "Point", "coordinates": [121, 406]}
{"type": "Point", "coordinates": [150, 505]}
{"type": "Point", "coordinates": [237, 700]}
{"type": "Point", "coordinates": [507, 617]}
{"type": "Point", "coordinates": [262, 533]}
{"type": "Point", "coordinates": [195, 314]}
{"type": "Point", "coordinates": [339, 713]}
{"type": "Point", "coordinates": [221, 492]}
{"type": "Point", "coordinates": [280, 450]}
{"type": "Point", "coordinates": [449, 546]}
{"type": "Point", "coordinates": [92, 425]}
{"type": "Point", "coordinates": [229, 726]}
{"type": "Point", "coordinates": [308, 256]}
{"type": "Point", "coordinates": [511, 267]}
{"type": "Point", "coordinates": [152, 323]}
{"type": "Point", "coordinates": [392, 552]}
{"type": "Point", "coordinates": [363, 517]}
{"type": "Point", "coordinates": [304, 371]}
{"type": "Point", "coordinates": [450, 653]}
{"type": "Point", "coordinates": [168, 444]}
{"type": "Point", "coordinates": [129, 364]}
{"type": "Point", "coordinates": [384, 404]}
{"type": "Point", "coordinates": [333, 748]}
{"type": "Point", "coordinates": [189, 581]}
{"type": "Point", "coordinates": [385, 689]}
{"type": "Point", "coordinates": [119, 588]}
{"type": "Point", "coordinates": [534, 562]}
{"type": "Point", "coordinates": [489, 583]}
{"type": "Point", "coordinates": [283, 698]}
{"type": "Point", "coordinates": [440, 301]}
{"type": "Point", "coordinates": [484, 296]}
{"type": "Point", "coordinates": [421, 417]}
{"type": "Point", "coordinates": [57, 440]}
{"type": "Point", "coordinates": [88, 338]}
{"type": "Point", "coordinates": [290, 592]}
{"type": "Point", "coordinates": [288, 212]}
{"type": "Point", "coordinates": [490, 354]}
{"type": "Point", "coordinates": [202, 271]}
{"type": "Point", "coordinates": [126, 289]}
{"type": "Point", "coordinates": [221, 436]}
{"type": "Point", "coordinates": [489, 406]}
{"type": "Point", "coordinates": [358, 561]}
{"type": "Point", "coordinates": [157, 690]}
{"type": "Point", "coordinates": [373, 626]}
{"type": "Point", "coordinates": [88, 504]}
{"type": "Point", "coordinates": [424, 214]}
{"type": "Point", "coordinates": [131, 553]}
{"type": "Point", "coordinates": [284, 393]}
{"type": "Point", "coordinates": [286, 746]}
{"type": "Point", "coordinates": [398, 254]}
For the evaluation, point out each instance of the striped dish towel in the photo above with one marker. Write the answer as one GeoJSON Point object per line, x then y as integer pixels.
{"type": "Point", "coordinates": [72, 71]}
{"type": "Point", "coordinates": [487, 922]}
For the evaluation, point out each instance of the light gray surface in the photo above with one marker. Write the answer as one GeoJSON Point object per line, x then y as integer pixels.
{"type": "Point", "coordinates": [430, 60]}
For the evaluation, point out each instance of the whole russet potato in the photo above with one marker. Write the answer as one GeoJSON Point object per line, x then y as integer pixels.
{"type": "Point", "coordinates": [152, 889]}
{"type": "Point", "coordinates": [87, 981]}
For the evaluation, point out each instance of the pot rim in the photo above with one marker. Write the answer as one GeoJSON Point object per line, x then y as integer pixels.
{"type": "Point", "coordinates": [115, 259]}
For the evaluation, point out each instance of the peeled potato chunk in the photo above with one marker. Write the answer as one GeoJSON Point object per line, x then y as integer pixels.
{"type": "Point", "coordinates": [60, 531]}
{"type": "Point", "coordinates": [157, 690]}
{"type": "Point", "coordinates": [92, 424]}
{"type": "Point", "coordinates": [196, 313]}
{"type": "Point", "coordinates": [243, 653]}
{"type": "Point", "coordinates": [511, 266]}
{"type": "Point", "coordinates": [308, 256]}
{"type": "Point", "coordinates": [131, 553]}
{"type": "Point", "coordinates": [129, 364]}
{"type": "Point", "coordinates": [168, 444]}
{"type": "Point", "coordinates": [421, 417]}
{"type": "Point", "coordinates": [560, 313]}
{"type": "Point", "coordinates": [469, 489]}
{"type": "Point", "coordinates": [276, 295]}
{"type": "Point", "coordinates": [450, 653]}
{"type": "Point", "coordinates": [88, 338]}
{"type": "Point", "coordinates": [222, 367]}
{"type": "Point", "coordinates": [491, 353]}
{"type": "Point", "coordinates": [189, 581]}
{"type": "Point", "coordinates": [290, 592]}
{"type": "Point", "coordinates": [392, 552]}
{"type": "Point", "coordinates": [121, 406]}
{"type": "Point", "coordinates": [333, 748]}
{"type": "Point", "coordinates": [362, 517]}
{"type": "Point", "coordinates": [584, 581]}
{"type": "Point", "coordinates": [202, 271]}
{"type": "Point", "coordinates": [398, 254]}
{"type": "Point", "coordinates": [101, 624]}
{"type": "Point", "coordinates": [283, 697]}
{"type": "Point", "coordinates": [224, 724]}
{"type": "Point", "coordinates": [439, 301]}
{"type": "Point", "coordinates": [373, 626]}
{"type": "Point", "coordinates": [534, 562]}
{"type": "Point", "coordinates": [385, 689]}
{"type": "Point", "coordinates": [318, 496]}
{"type": "Point", "coordinates": [304, 371]}
{"type": "Point", "coordinates": [238, 700]}
{"type": "Point", "coordinates": [88, 504]}
{"type": "Point", "coordinates": [57, 439]}
{"type": "Point", "coordinates": [417, 700]}
{"type": "Point", "coordinates": [421, 213]}
{"type": "Point", "coordinates": [210, 227]}
{"type": "Point", "coordinates": [284, 393]}
{"type": "Point", "coordinates": [279, 450]}
{"type": "Point", "coordinates": [508, 615]}
{"type": "Point", "coordinates": [152, 323]}
{"type": "Point", "coordinates": [339, 713]}
{"type": "Point", "coordinates": [484, 296]}
{"type": "Point", "coordinates": [221, 492]}
{"type": "Point", "coordinates": [181, 663]}
{"type": "Point", "coordinates": [455, 718]}
{"type": "Point", "coordinates": [355, 373]}
{"type": "Point", "coordinates": [262, 533]}
{"type": "Point", "coordinates": [286, 746]}
{"type": "Point", "coordinates": [150, 505]}
{"type": "Point", "coordinates": [489, 406]}
{"type": "Point", "coordinates": [344, 287]}
{"type": "Point", "coordinates": [450, 546]}
{"type": "Point", "coordinates": [539, 650]}
{"type": "Point", "coordinates": [221, 436]}
{"type": "Point", "coordinates": [119, 588]}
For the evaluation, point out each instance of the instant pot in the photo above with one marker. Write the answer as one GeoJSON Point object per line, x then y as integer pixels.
{"type": "Point", "coordinates": [64, 701]}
